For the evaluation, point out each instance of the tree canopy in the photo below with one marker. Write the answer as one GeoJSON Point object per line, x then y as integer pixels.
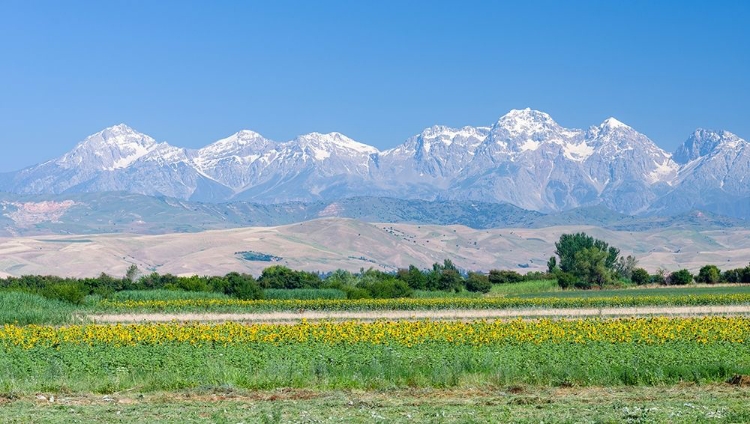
{"type": "Point", "coordinates": [584, 261]}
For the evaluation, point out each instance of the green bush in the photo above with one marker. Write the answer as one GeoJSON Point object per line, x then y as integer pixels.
{"type": "Point", "coordinates": [708, 274]}
{"type": "Point", "coordinates": [70, 292]}
{"type": "Point", "coordinates": [504, 277]}
{"type": "Point", "coordinates": [640, 277]}
{"type": "Point", "coordinates": [386, 289]}
{"type": "Point", "coordinates": [478, 283]}
{"type": "Point", "coordinates": [304, 294]}
{"type": "Point", "coordinates": [566, 280]}
{"type": "Point", "coordinates": [281, 277]}
{"type": "Point", "coordinates": [243, 286]}
{"type": "Point", "coordinates": [357, 293]}
{"type": "Point", "coordinates": [680, 278]}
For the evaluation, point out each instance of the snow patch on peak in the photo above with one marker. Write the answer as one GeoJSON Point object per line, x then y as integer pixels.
{"type": "Point", "coordinates": [236, 141]}
{"type": "Point", "coordinates": [525, 122]}
{"type": "Point", "coordinates": [527, 114]}
{"type": "Point", "coordinates": [113, 148]}
{"type": "Point", "coordinates": [613, 123]}
{"type": "Point", "coordinates": [529, 145]}
{"type": "Point", "coordinates": [663, 172]}
{"type": "Point", "coordinates": [324, 143]}
{"type": "Point", "coordinates": [447, 135]}
{"type": "Point", "coordinates": [577, 152]}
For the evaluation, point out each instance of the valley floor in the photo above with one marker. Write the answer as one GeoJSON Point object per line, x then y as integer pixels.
{"type": "Point", "coordinates": [334, 243]}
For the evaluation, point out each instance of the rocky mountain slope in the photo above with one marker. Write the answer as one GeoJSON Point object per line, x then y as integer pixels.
{"type": "Point", "coordinates": [120, 212]}
{"type": "Point", "coordinates": [524, 159]}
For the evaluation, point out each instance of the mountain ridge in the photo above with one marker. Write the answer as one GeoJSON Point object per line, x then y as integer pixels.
{"type": "Point", "coordinates": [525, 158]}
{"type": "Point", "coordinates": [121, 212]}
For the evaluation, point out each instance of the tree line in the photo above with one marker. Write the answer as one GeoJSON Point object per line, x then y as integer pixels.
{"type": "Point", "coordinates": [370, 283]}
{"type": "Point", "coordinates": [581, 262]}
{"type": "Point", "coordinates": [585, 262]}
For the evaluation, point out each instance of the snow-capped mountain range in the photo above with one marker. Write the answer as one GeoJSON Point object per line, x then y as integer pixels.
{"type": "Point", "coordinates": [525, 159]}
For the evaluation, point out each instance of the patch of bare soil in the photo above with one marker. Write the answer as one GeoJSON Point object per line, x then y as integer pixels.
{"type": "Point", "coordinates": [740, 380]}
{"type": "Point", "coordinates": [457, 315]}
{"type": "Point", "coordinates": [514, 395]}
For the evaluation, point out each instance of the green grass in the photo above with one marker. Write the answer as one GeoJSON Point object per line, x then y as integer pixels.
{"type": "Point", "coordinates": [23, 308]}
{"type": "Point", "coordinates": [525, 287]}
{"type": "Point", "coordinates": [412, 304]}
{"type": "Point", "coordinates": [440, 294]}
{"type": "Point", "coordinates": [166, 295]}
{"type": "Point", "coordinates": [303, 294]}
{"type": "Point", "coordinates": [177, 366]}
{"type": "Point", "coordinates": [638, 292]}
{"type": "Point", "coordinates": [695, 404]}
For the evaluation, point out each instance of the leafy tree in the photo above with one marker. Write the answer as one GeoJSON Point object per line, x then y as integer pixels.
{"type": "Point", "coordinates": [625, 266]}
{"type": "Point", "coordinates": [504, 276]}
{"type": "Point", "coordinates": [385, 288]}
{"type": "Point", "coordinates": [243, 286]}
{"type": "Point", "coordinates": [569, 244]}
{"type": "Point", "coordinates": [708, 274]}
{"type": "Point", "coordinates": [660, 277]}
{"type": "Point", "coordinates": [552, 264]}
{"type": "Point", "coordinates": [591, 261]}
{"type": "Point", "coordinates": [566, 280]}
{"type": "Point", "coordinates": [414, 277]}
{"type": "Point", "coordinates": [590, 268]}
{"type": "Point", "coordinates": [340, 278]}
{"type": "Point", "coordinates": [476, 282]}
{"type": "Point", "coordinates": [739, 275]}
{"type": "Point", "coordinates": [450, 280]}
{"type": "Point", "coordinates": [444, 276]}
{"type": "Point", "coordinates": [681, 277]}
{"type": "Point", "coordinates": [132, 273]}
{"type": "Point", "coordinates": [281, 277]}
{"type": "Point", "coordinates": [640, 276]}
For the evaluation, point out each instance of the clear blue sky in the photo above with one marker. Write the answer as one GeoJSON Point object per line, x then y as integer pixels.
{"type": "Point", "coordinates": [379, 71]}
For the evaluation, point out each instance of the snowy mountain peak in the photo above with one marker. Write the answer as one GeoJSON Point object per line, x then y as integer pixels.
{"type": "Point", "coordinates": [613, 123]}
{"type": "Point", "coordinates": [703, 142]}
{"type": "Point", "coordinates": [120, 134]}
{"type": "Point", "coordinates": [527, 115]}
{"type": "Point", "coordinates": [525, 159]}
{"type": "Point", "coordinates": [333, 141]}
{"type": "Point", "coordinates": [235, 143]}
{"type": "Point", "coordinates": [115, 147]}
{"type": "Point", "coordinates": [448, 134]}
{"type": "Point", "coordinates": [525, 123]}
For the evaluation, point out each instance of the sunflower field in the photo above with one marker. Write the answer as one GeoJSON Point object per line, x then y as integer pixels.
{"type": "Point", "coordinates": [214, 304]}
{"type": "Point", "coordinates": [382, 354]}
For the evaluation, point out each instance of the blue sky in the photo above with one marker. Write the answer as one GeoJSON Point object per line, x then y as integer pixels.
{"type": "Point", "coordinates": [379, 71]}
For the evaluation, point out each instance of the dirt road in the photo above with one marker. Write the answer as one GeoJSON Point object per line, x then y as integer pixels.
{"type": "Point", "coordinates": [293, 317]}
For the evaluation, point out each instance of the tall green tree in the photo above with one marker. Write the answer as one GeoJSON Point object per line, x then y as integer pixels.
{"type": "Point", "coordinates": [585, 260]}
{"type": "Point", "coordinates": [569, 244]}
{"type": "Point", "coordinates": [709, 274]}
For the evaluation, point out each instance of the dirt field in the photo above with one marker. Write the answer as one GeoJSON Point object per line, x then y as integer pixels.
{"type": "Point", "coordinates": [333, 243]}
{"type": "Point", "coordinates": [294, 317]}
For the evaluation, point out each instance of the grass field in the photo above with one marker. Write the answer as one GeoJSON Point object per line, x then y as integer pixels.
{"type": "Point", "coordinates": [413, 304]}
{"type": "Point", "coordinates": [24, 308]}
{"type": "Point", "coordinates": [525, 287]}
{"type": "Point", "coordinates": [521, 404]}
{"type": "Point", "coordinates": [596, 370]}
{"type": "Point", "coordinates": [640, 292]}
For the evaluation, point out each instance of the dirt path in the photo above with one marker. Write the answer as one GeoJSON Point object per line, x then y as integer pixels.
{"type": "Point", "coordinates": [293, 317]}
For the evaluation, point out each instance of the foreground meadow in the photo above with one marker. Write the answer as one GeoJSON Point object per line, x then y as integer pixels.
{"type": "Point", "coordinates": [58, 366]}
{"type": "Point", "coordinates": [518, 404]}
